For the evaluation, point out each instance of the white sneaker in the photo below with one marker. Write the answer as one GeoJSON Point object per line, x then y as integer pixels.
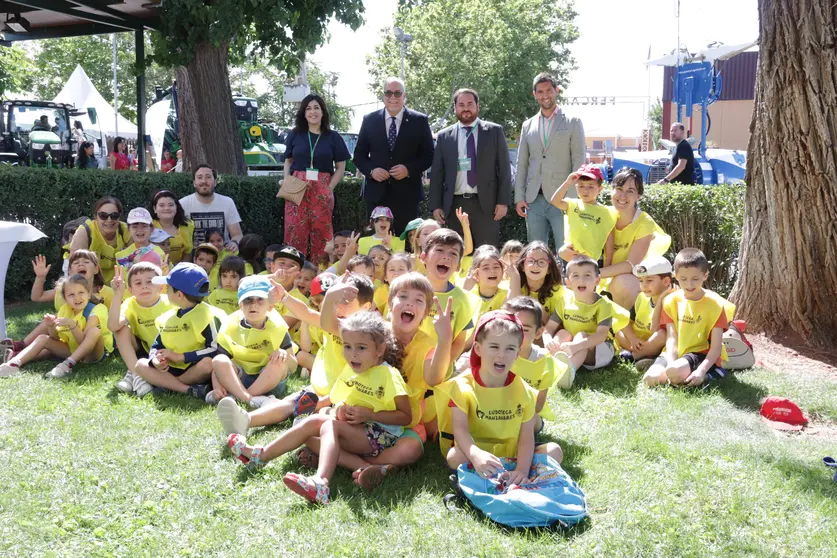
{"type": "Point", "coordinates": [61, 370]}
{"type": "Point", "coordinates": [7, 370]}
{"type": "Point", "coordinates": [258, 401]}
{"type": "Point", "coordinates": [210, 397]}
{"type": "Point", "coordinates": [304, 373]}
{"type": "Point", "coordinates": [126, 384]}
{"type": "Point", "coordinates": [141, 388]}
{"type": "Point", "coordinates": [234, 419]}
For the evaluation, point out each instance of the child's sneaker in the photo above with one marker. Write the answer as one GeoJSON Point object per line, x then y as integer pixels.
{"type": "Point", "coordinates": [304, 373]}
{"type": "Point", "coordinates": [234, 419]}
{"type": "Point", "coordinates": [210, 398]}
{"type": "Point", "coordinates": [199, 391]}
{"type": "Point", "coordinates": [259, 401]}
{"type": "Point", "coordinates": [61, 370]}
{"type": "Point", "coordinates": [306, 403]}
{"type": "Point", "coordinates": [312, 490]}
{"type": "Point", "coordinates": [141, 387]}
{"type": "Point", "coordinates": [644, 364]}
{"type": "Point", "coordinates": [126, 384]}
{"type": "Point", "coordinates": [8, 370]}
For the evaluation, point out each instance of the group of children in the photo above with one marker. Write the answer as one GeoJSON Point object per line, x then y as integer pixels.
{"type": "Point", "coordinates": [441, 342]}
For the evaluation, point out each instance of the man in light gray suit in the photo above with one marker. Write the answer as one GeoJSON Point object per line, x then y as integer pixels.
{"type": "Point", "coordinates": [551, 147]}
{"type": "Point", "coordinates": [471, 171]}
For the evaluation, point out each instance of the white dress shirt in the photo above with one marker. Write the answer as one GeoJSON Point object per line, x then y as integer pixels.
{"type": "Point", "coordinates": [388, 120]}
{"type": "Point", "coordinates": [461, 186]}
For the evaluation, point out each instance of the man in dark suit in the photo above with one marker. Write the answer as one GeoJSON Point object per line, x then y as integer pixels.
{"type": "Point", "coordinates": [471, 171]}
{"type": "Point", "coordinates": [394, 147]}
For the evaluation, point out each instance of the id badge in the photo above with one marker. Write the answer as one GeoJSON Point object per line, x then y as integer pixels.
{"type": "Point", "coordinates": [312, 174]}
{"type": "Point", "coordinates": [465, 164]}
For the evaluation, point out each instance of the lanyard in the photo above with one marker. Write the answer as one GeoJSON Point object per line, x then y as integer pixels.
{"type": "Point", "coordinates": [313, 147]}
{"type": "Point", "coordinates": [471, 133]}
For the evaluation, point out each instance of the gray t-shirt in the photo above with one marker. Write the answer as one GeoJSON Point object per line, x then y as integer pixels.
{"type": "Point", "coordinates": [218, 214]}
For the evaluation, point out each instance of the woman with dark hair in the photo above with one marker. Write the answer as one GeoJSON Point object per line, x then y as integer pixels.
{"type": "Point", "coordinates": [635, 237]}
{"type": "Point", "coordinates": [118, 158]}
{"type": "Point", "coordinates": [78, 132]}
{"type": "Point", "coordinates": [318, 155]}
{"type": "Point", "coordinates": [105, 234]}
{"type": "Point", "coordinates": [168, 215]}
{"type": "Point", "coordinates": [85, 158]}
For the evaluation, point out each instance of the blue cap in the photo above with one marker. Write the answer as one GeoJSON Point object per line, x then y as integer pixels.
{"type": "Point", "coordinates": [187, 278]}
{"type": "Point", "coordinates": [254, 286]}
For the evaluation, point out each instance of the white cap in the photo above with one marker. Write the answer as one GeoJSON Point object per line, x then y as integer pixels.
{"type": "Point", "coordinates": [655, 265]}
{"type": "Point", "coordinates": [159, 235]}
{"type": "Point", "coordinates": [139, 215]}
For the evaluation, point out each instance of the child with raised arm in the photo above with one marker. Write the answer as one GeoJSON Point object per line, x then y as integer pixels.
{"type": "Point", "coordinates": [590, 223]}
{"type": "Point", "coordinates": [489, 412]}
{"type": "Point", "coordinates": [372, 409]}
{"type": "Point", "coordinates": [133, 322]}
{"type": "Point", "coordinates": [181, 356]}
{"type": "Point", "coordinates": [77, 333]}
{"type": "Point", "coordinates": [695, 320]}
{"type": "Point", "coordinates": [255, 349]}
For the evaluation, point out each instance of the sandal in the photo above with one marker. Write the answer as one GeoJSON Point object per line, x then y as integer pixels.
{"type": "Point", "coordinates": [373, 476]}
{"type": "Point", "coordinates": [313, 491]}
{"type": "Point", "coordinates": [308, 458]}
{"type": "Point", "coordinates": [237, 442]}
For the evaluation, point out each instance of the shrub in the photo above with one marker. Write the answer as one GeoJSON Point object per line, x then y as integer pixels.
{"type": "Point", "coordinates": [709, 218]}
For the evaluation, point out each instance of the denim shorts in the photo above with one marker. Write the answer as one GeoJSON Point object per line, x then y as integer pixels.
{"type": "Point", "coordinates": [248, 380]}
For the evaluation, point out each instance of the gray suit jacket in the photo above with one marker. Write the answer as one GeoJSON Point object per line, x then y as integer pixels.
{"type": "Point", "coordinates": [493, 169]}
{"type": "Point", "coordinates": [536, 166]}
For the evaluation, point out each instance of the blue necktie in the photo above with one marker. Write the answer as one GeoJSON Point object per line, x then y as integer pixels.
{"type": "Point", "coordinates": [471, 148]}
{"type": "Point", "coordinates": [392, 135]}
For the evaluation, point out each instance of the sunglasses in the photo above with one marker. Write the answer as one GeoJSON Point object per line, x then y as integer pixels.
{"type": "Point", "coordinates": [105, 216]}
{"type": "Point", "coordinates": [396, 94]}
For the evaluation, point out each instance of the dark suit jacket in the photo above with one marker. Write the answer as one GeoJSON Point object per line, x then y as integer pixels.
{"type": "Point", "coordinates": [493, 170]}
{"type": "Point", "coordinates": [413, 149]}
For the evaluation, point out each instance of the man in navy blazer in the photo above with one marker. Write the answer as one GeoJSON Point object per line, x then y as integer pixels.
{"type": "Point", "coordinates": [394, 147]}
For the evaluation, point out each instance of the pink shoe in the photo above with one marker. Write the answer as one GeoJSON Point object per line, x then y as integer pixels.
{"type": "Point", "coordinates": [313, 491]}
{"type": "Point", "coordinates": [237, 442]}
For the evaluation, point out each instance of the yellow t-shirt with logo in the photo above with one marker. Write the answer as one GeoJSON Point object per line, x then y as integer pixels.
{"type": "Point", "coordinates": [589, 226]}
{"type": "Point", "coordinates": [489, 304]}
{"type": "Point", "coordinates": [642, 225]}
{"type": "Point", "coordinates": [643, 314]}
{"type": "Point", "coordinates": [224, 299]}
{"type": "Point", "coordinates": [328, 364]}
{"type": "Point", "coordinates": [105, 293]}
{"type": "Point", "coordinates": [416, 354]}
{"type": "Point", "coordinates": [543, 374]}
{"type": "Point", "coordinates": [81, 318]}
{"type": "Point", "coordinates": [184, 334]}
{"type": "Point", "coordinates": [180, 245]}
{"type": "Point", "coordinates": [375, 389]}
{"type": "Point", "coordinates": [142, 319]}
{"type": "Point", "coordinates": [580, 317]}
{"type": "Point", "coordinates": [367, 242]}
{"type": "Point", "coordinates": [495, 414]}
{"type": "Point", "coordinates": [106, 252]}
{"type": "Point", "coordinates": [553, 302]}
{"type": "Point", "coordinates": [250, 347]}
{"type": "Point", "coordinates": [694, 320]}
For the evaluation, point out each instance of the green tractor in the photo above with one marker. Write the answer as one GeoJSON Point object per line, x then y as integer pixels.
{"type": "Point", "coordinates": [263, 154]}
{"type": "Point", "coordinates": [36, 133]}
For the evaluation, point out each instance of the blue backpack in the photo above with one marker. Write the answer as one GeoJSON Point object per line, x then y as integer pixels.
{"type": "Point", "coordinates": [549, 497]}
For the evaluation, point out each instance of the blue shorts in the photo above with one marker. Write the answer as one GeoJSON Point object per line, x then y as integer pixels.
{"type": "Point", "coordinates": [248, 380]}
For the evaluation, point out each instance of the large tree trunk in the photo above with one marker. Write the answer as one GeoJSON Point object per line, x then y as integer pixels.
{"type": "Point", "coordinates": [208, 127]}
{"type": "Point", "coordinates": [788, 256]}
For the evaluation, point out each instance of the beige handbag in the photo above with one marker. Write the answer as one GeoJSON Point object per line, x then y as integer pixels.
{"type": "Point", "coordinates": [293, 189]}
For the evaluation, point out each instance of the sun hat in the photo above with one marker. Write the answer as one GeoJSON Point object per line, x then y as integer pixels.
{"type": "Point", "coordinates": [139, 215]}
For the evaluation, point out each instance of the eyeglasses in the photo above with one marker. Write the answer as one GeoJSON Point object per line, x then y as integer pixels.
{"type": "Point", "coordinates": [543, 264]}
{"type": "Point", "coordinates": [396, 94]}
{"type": "Point", "coordinates": [267, 261]}
{"type": "Point", "coordinates": [105, 216]}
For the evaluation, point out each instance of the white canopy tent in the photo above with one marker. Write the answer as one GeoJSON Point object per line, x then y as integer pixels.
{"type": "Point", "coordinates": [81, 92]}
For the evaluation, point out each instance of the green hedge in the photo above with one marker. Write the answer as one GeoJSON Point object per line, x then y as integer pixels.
{"type": "Point", "coordinates": [707, 217]}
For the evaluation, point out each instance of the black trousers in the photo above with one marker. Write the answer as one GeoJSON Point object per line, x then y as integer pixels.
{"type": "Point", "coordinates": [404, 209]}
{"type": "Point", "coordinates": [484, 229]}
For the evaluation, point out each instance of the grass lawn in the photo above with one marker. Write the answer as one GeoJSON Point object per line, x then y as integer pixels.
{"type": "Point", "coordinates": [86, 470]}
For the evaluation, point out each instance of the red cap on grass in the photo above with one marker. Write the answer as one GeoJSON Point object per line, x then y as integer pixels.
{"type": "Point", "coordinates": [782, 414]}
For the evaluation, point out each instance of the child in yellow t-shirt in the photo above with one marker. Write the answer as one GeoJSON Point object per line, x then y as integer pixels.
{"type": "Point", "coordinates": [140, 225]}
{"type": "Point", "coordinates": [489, 412]}
{"type": "Point", "coordinates": [77, 333]}
{"type": "Point", "coordinates": [255, 351]}
{"type": "Point", "coordinates": [133, 322]}
{"type": "Point", "coordinates": [225, 296]}
{"type": "Point", "coordinates": [695, 320]}
{"type": "Point", "coordinates": [587, 318]}
{"type": "Point", "coordinates": [306, 276]}
{"type": "Point", "coordinates": [381, 224]}
{"type": "Point", "coordinates": [372, 409]}
{"type": "Point", "coordinates": [396, 265]}
{"type": "Point", "coordinates": [536, 274]}
{"type": "Point", "coordinates": [644, 340]}
{"type": "Point", "coordinates": [590, 223]}
{"type": "Point", "coordinates": [206, 256]}
{"type": "Point", "coordinates": [380, 254]}
{"type": "Point", "coordinates": [484, 279]}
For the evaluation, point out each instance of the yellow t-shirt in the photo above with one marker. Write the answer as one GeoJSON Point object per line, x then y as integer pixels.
{"type": "Point", "coordinates": [98, 310]}
{"type": "Point", "coordinates": [106, 252]}
{"type": "Point", "coordinates": [224, 299]}
{"type": "Point", "coordinates": [249, 347]}
{"type": "Point", "coordinates": [381, 298]}
{"type": "Point", "coordinates": [130, 249]}
{"type": "Point", "coordinates": [184, 334]}
{"type": "Point", "coordinates": [642, 225]}
{"type": "Point", "coordinates": [180, 245]}
{"type": "Point", "coordinates": [328, 364]}
{"type": "Point", "coordinates": [553, 302]}
{"type": "Point", "coordinates": [589, 226]}
{"type": "Point", "coordinates": [105, 293]}
{"type": "Point", "coordinates": [416, 353]}
{"type": "Point", "coordinates": [142, 319]}
{"type": "Point", "coordinates": [286, 313]}
{"type": "Point", "coordinates": [367, 242]}
{"type": "Point", "coordinates": [495, 415]}
{"type": "Point", "coordinates": [543, 374]}
{"type": "Point", "coordinates": [464, 309]}
{"type": "Point", "coordinates": [374, 389]}
{"type": "Point", "coordinates": [215, 273]}
{"type": "Point", "coordinates": [490, 304]}
{"type": "Point", "coordinates": [694, 320]}
{"type": "Point", "coordinates": [579, 317]}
